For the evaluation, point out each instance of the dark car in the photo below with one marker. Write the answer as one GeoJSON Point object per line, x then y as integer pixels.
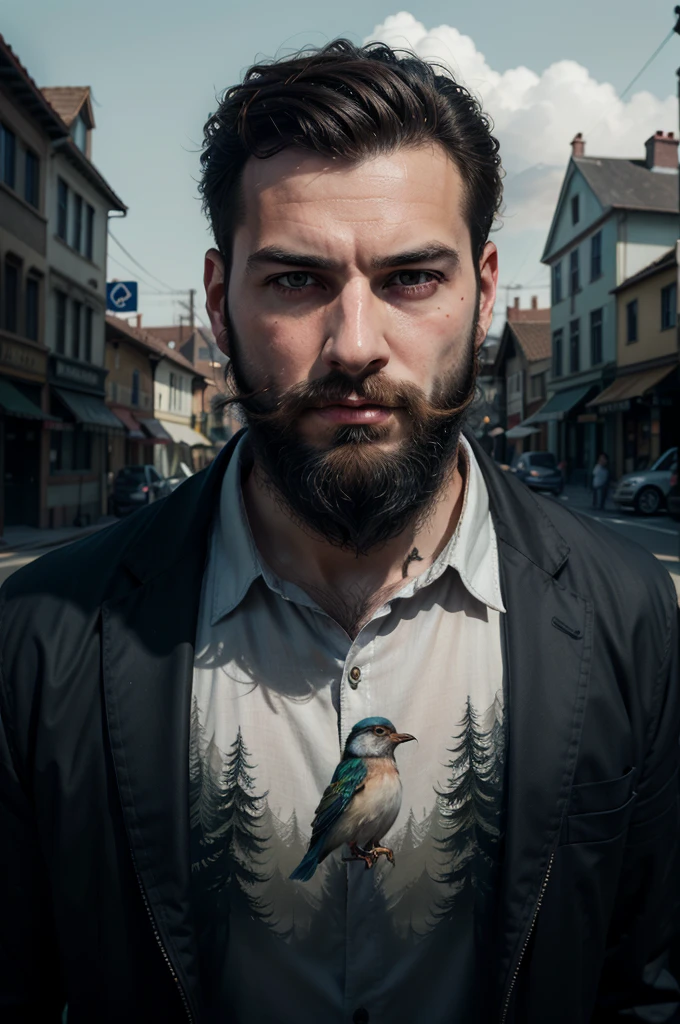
{"type": "Point", "coordinates": [539, 471]}
{"type": "Point", "coordinates": [673, 496]}
{"type": "Point", "coordinates": [136, 486]}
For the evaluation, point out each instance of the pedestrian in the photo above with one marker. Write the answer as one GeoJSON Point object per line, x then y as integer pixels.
{"type": "Point", "coordinates": [351, 727]}
{"type": "Point", "coordinates": [600, 481]}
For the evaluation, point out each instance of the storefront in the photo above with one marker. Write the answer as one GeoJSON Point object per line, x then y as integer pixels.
{"type": "Point", "coordinates": [23, 433]}
{"type": "Point", "coordinates": [643, 404]}
{"type": "Point", "coordinates": [79, 451]}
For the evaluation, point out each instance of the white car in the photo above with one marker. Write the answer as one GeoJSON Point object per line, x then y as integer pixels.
{"type": "Point", "coordinates": [647, 490]}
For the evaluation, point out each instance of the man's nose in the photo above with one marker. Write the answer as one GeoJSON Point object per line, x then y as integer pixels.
{"type": "Point", "coordinates": [355, 341]}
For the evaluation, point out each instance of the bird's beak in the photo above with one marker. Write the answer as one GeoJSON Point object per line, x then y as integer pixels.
{"type": "Point", "coordinates": [401, 737]}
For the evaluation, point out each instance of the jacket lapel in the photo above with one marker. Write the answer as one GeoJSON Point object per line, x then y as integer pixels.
{"type": "Point", "coordinates": [148, 654]}
{"type": "Point", "coordinates": [546, 648]}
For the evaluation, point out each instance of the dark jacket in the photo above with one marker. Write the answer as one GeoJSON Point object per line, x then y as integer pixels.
{"type": "Point", "coordinates": [97, 644]}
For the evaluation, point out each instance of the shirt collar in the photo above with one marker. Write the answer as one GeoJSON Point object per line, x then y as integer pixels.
{"type": "Point", "coordinates": [472, 550]}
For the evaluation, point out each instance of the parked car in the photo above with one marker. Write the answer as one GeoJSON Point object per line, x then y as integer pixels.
{"type": "Point", "coordinates": [646, 491]}
{"type": "Point", "coordinates": [136, 486]}
{"type": "Point", "coordinates": [673, 496]}
{"type": "Point", "coordinates": [539, 471]}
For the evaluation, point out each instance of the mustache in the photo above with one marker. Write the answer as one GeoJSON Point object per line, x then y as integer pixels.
{"type": "Point", "coordinates": [280, 409]}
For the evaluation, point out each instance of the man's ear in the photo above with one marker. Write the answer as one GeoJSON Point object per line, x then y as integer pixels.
{"type": "Point", "coordinates": [488, 282]}
{"type": "Point", "coordinates": [213, 281]}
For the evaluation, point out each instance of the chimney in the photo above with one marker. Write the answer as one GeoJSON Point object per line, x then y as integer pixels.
{"type": "Point", "coordinates": [139, 319]}
{"type": "Point", "coordinates": [534, 302]}
{"type": "Point", "coordinates": [662, 152]}
{"type": "Point", "coordinates": [516, 303]}
{"type": "Point", "coordinates": [578, 145]}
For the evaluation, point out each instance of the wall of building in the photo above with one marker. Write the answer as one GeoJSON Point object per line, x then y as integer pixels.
{"type": "Point", "coordinates": [590, 211]}
{"type": "Point", "coordinates": [643, 238]}
{"type": "Point", "coordinates": [121, 360]}
{"type": "Point", "coordinates": [82, 279]}
{"type": "Point", "coordinates": [653, 342]}
{"type": "Point", "coordinates": [172, 404]}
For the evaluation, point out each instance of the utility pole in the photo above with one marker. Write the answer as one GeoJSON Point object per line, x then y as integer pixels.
{"type": "Point", "coordinates": [192, 298]}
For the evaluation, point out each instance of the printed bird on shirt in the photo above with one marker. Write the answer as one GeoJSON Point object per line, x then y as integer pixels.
{"type": "Point", "coordinates": [363, 799]}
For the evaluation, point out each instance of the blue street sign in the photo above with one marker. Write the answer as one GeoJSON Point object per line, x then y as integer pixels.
{"type": "Point", "coordinates": [121, 296]}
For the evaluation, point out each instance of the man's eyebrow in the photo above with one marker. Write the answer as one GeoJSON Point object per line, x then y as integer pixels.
{"type": "Point", "coordinates": [435, 251]}
{"type": "Point", "coordinates": [273, 254]}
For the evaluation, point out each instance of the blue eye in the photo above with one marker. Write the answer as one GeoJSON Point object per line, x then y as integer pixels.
{"type": "Point", "coordinates": [295, 280]}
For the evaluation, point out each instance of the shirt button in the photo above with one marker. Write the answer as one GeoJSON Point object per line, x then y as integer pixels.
{"type": "Point", "coordinates": [360, 1016]}
{"type": "Point", "coordinates": [354, 677]}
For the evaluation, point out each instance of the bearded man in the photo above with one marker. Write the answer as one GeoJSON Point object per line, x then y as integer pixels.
{"type": "Point", "coordinates": [205, 816]}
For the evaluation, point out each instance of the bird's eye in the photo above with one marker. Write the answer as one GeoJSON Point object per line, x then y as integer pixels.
{"type": "Point", "coordinates": [379, 731]}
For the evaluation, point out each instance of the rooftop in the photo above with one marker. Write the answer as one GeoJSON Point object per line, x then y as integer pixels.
{"type": "Point", "coordinates": [629, 184]}
{"type": "Point", "coordinates": [68, 101]}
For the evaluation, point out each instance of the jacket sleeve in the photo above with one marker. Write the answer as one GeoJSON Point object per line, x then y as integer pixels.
{"type": "Point", "coordinates": [638, 982]}
{"type": "Point", "coordinates": [30, 986]}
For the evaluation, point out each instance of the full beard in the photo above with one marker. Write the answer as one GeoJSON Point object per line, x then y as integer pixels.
{"type": "Point", "coordinates": [353, 492]}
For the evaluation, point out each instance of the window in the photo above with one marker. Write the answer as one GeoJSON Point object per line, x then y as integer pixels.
{"type": "Point", "coordinates": [632, 322]}
{"type": "Point", "coordinates": [89, 314]}
{"type": "Point", "coordinates": [173, 386]}
{"type": "Point", "coordinates": [574, 346]}
{"type": "Point", "coordinates": [32, 179]}
{"type": "Point", "coordinates": [557, 353]}
{"type": "Point", "coordinates": [70, 450]}
{"type": "Point", "coordinates": [75, 330]}
{"type": "Point", "coordinates": [573, 272]}
{"type": "Point", "coordinates": [32, 307]}
{"type": "Point", "coordinates": [538, 386]}
{"type": "Point", "coordinates": [60, 337]}
{"type": "Point", "coordinates": [575, 210]}
{"type": "Point", "coordinates": [669, 306]}
{"type": "Point", "coordinates": [62, 209]}
{"type": "Point", "coordinates": [11, 296]}
{"type": "Point", "coordinates": [204, 353]}
{"type": "Point", "coordinates": [77, 222]}
{"type": "Point", "coordinates": [89, 231]}
{"type": "Point", "coordinates": [134, 396]}
{"type": "Point", "coordinates": [8, 156]}
{"type": "Point", "coordinates": [596, 337]}
{"type": "Point", "coordinates": [596, 256]}
{"type": "Point", "coordinates": [557, 283]}
{"type": "Point", "coordinates": [79, 133]}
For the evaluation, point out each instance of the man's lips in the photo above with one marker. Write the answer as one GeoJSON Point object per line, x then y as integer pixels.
{"type": "Point", "coordinates": [353, 411]}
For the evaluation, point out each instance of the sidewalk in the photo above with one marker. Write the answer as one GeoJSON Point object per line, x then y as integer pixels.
{"type": "Point", "coordinates": [27, 538]}
{"type": "Point", "coordinates": [581, 499]}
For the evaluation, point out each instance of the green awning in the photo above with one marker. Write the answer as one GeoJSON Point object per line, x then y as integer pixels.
{"type": "Point", "coordinates": [14, 403]}
{"type": "Point", "coordinates": [559, 405]}
{"type": "Point", "coordinates": [90, 410]}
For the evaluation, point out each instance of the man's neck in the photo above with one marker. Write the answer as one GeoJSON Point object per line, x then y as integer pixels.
{"type": "Point", "coordinates": [348, 587]}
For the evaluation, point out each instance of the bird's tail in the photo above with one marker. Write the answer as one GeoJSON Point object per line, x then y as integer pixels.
{"type": "Point", "coordinates": [308, 865]}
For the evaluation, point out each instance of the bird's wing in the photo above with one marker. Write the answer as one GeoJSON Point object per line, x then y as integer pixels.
{"type": "Point", "coordinates": [347, 779]}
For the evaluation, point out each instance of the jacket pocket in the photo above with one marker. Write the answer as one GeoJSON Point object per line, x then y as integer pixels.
{"type": "Point", "coordinates": [599, 811]}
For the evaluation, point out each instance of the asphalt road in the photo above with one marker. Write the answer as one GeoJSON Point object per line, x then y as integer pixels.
{"type": "Point", "coordinates": [658, 534]}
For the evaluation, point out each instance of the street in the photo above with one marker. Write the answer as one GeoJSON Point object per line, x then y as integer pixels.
{"type": "Point", "coordinates": [659, 534]}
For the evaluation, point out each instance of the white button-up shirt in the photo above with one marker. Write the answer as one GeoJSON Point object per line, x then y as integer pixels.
{"type": "Point", "coordinates": [278, 686]}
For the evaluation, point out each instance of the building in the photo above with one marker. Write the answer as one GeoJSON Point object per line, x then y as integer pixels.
{"type": "Point", "coordinates": [522, 367]}
{"type": "Point", "coordinates": [198, 345]}
{"type": "Point", "coordinates": [613, 217]}
{"type": "Point", "coordinates": [642, 402]}
{"type": "Point", "coordinates": [29, 128]}
{"type": "Point", "coordinates": [79, 202]}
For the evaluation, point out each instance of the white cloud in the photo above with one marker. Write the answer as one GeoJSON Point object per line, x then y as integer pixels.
{"type": "Point", "coordinates": [537, 114]}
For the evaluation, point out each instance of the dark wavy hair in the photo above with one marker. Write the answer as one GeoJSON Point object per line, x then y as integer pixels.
{"type": "Point", "coordinates": [352, 102]}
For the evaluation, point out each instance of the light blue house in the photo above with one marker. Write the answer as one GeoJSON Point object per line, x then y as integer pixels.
{"type": "Point", "coordinates": [613, 217]}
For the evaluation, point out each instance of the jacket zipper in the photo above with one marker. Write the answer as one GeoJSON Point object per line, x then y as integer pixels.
{"type": "Point", "coordinates": [185, 1001]}
{"type": "Point", "coordinates": [506, 1005]}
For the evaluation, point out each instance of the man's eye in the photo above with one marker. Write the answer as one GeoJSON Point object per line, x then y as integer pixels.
{"type": "Point", "coordinates": [296, 280]}
{"type": "Point", "coordinates": [412, 278]}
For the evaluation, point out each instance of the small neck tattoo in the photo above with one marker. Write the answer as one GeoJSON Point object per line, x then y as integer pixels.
{"type": "Point", "coordinates": [412, 556]}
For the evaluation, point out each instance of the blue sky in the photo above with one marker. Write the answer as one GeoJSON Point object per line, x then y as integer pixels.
{"type": "Point", "coordinates": [156, 68]}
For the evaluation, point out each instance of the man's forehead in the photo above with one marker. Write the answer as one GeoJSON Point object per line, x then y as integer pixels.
{"type": "Point", "coordinates": [395, 196]}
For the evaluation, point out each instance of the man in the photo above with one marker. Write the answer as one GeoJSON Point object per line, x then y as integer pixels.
{"type": "Point", "coordinates": [214, 805]}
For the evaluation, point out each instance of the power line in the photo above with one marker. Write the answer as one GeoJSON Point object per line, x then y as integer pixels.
{"type": "Point", "coordinates": [133, 272]}
{"type": "Point", "coordinates": [138, 264]}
